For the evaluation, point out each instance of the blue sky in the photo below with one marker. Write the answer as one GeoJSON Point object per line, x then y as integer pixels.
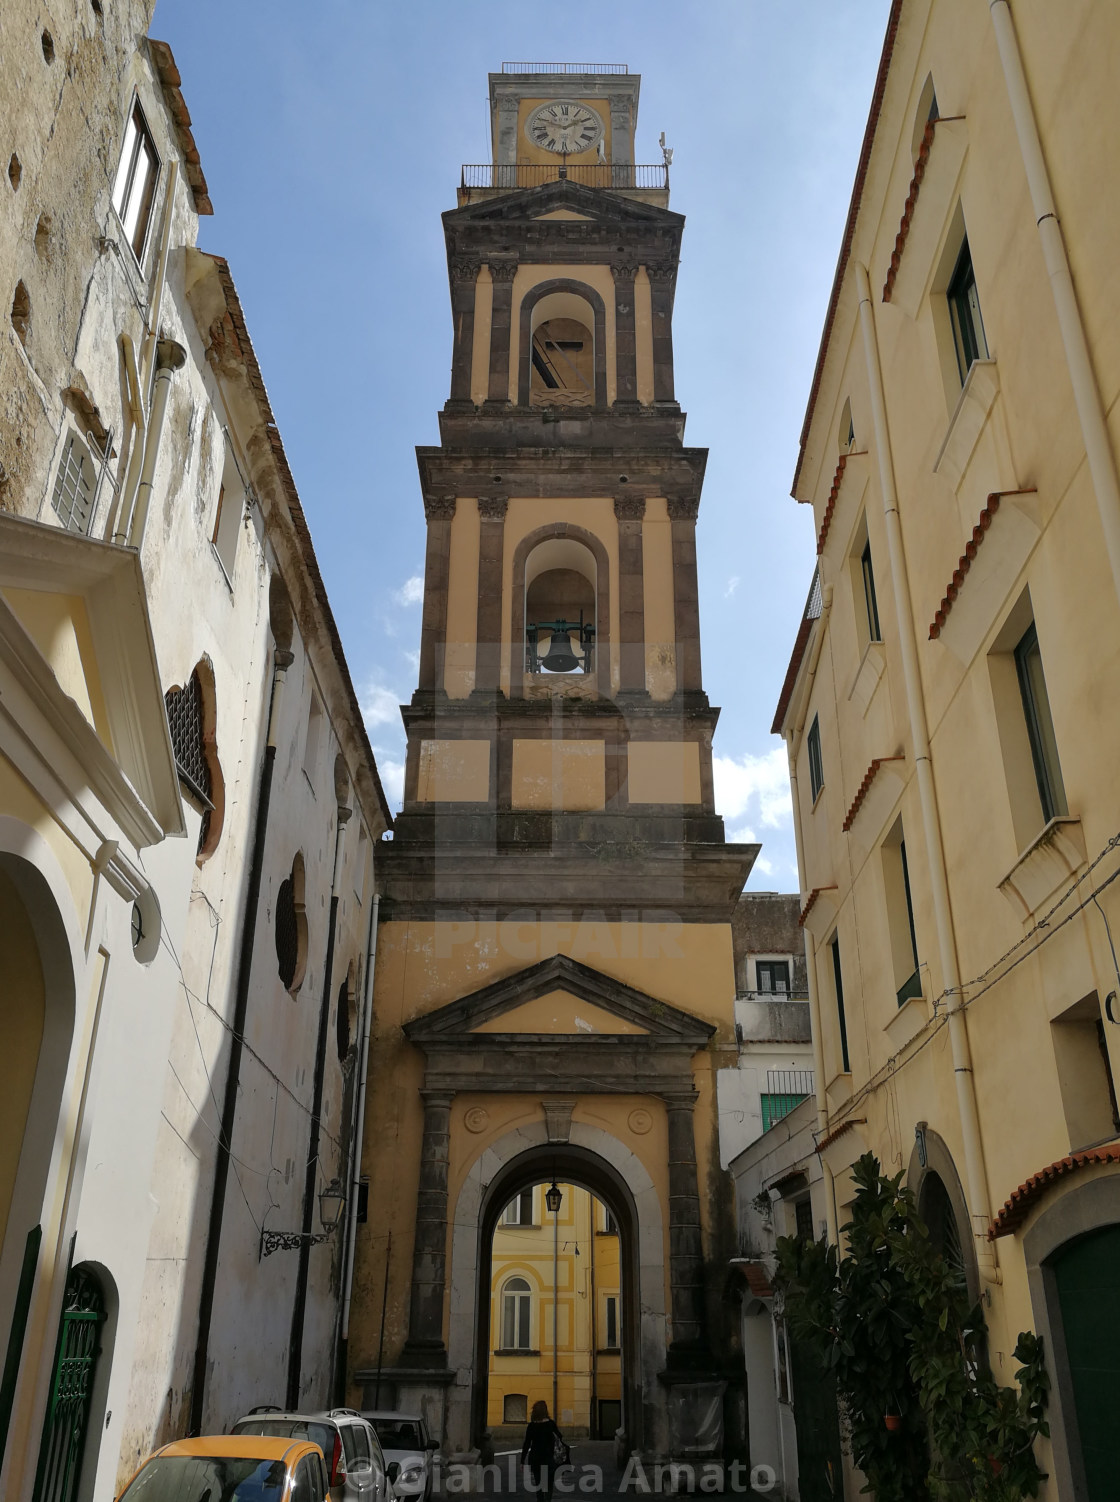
{"type": "Point", "coordinates": [332, 135]}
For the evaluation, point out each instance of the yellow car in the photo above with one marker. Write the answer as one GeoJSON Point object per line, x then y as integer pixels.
{"type": "Point", "coordinates": [231, 1468]}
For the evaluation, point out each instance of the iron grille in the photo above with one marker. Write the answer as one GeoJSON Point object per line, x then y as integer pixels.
{"type": "Point", "coordinates": [785, 1090]}
{"type": "Point", "coordinates": [342, 1020]}
{"type": "Point", "coordinates": [184, 719]}
{"type": "Point", "coordinates": [74, 487]}
{"type": "Point", "coordinates": [287, 933]}
{"type": "Point", "coordinates": [67, 1417]}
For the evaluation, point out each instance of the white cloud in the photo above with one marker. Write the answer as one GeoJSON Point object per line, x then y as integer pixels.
{"type": "Point", "coordinates": [732, 586]}
{"type": "Point", "coordinates": [413, 660]}
{"type": "Point", "coordinates": [411, 591]}
{"type": "Point", "coordinates": [380, 706]}
{"type": "Point", "coordinates": [754, 788]}
{"type": "Point", "coordinates": [392, 780]}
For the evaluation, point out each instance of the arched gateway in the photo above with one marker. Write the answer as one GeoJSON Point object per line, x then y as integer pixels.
{"type": "Point", "coordinates": [555, 983]}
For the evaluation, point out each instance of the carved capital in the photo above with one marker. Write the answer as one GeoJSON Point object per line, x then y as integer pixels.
{"type": "Point", "coordinates": [464, 268]}
{"type": "Point", "coordinates": [629, 508]}
{"type": "Point", "coordinates": [660, 271]}
{"type": "Point", "coordinates": [492, 508]}
{"type": "Point", "coordinates": [624, 271]}
{"type": "Point", "coordinates": [620, 104]}
{"type": "Point", "coordinates": [507, 105]}
{"type": "Point", "coordinates": [503, 271]}
{"type": "Point", "coordinates": [683, 508]}
{"type": "Point", "coordinates": [439, 508]}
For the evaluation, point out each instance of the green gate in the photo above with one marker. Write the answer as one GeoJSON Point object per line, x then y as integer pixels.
{"type": "Point", "coordinates": [64, 1430]}
{"type": "Point", "coordinates": [1085, 1273]}
{"type": "Point", "coordinates": [820, 1465]}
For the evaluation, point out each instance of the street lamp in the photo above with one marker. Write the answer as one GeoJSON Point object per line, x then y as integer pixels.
{"type": "Point", "coordinates": [331, 1202]}
{"type": "Point", "coordinates": [554, 1199]}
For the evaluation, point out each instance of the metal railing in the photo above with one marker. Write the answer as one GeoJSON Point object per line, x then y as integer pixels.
{"type": "Point", "coordinates": [565, 68]}
{"type": "Point", "coordinates": [587, 174]}
{"type": "Point", "coordinates": [785, 1090]}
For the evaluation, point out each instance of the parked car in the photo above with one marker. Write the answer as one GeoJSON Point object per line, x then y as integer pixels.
{"type": "Point", "coordinates": [405, 1440]}
{"type": "Point", "coordinates": [227, 1468]}
{"type": "Point", "coordinates": [356, 1468]}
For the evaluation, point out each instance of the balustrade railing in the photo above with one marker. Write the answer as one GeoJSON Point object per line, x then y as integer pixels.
{"type": "Point", "coordinates": [618, 175]}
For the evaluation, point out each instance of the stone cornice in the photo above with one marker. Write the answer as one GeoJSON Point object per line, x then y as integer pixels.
{"type": "Point", "coordinates": [556, 473]}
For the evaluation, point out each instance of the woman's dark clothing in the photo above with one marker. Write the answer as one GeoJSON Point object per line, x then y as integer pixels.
{"type": "Point", "coordinates": [540, 1438]}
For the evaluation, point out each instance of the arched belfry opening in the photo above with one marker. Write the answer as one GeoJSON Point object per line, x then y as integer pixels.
{"type": "Point", "coordinates": [560, 604]}
{"type": "Point", "coordinates": [557, 1298]}
{"type": "Point", "coordinates": [562, 352]}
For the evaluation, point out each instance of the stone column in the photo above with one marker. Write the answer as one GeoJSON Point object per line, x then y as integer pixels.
{"type": "Point", "coordinates": [505, 153]}
{"type": "Point", "coordinates": [464, 279]}
{"type": "Point", "coordinates": [630, 511]}
{"type": "Point", "coordinates": [491, 550]}
{"type": "Point", "coordinates": [686, 595]}
{"type": "Point", "coordinates": [686, 1255]}
{"type": "Point", "coordinates": [502, 274]}
{"type": "Point", "coordinates": [425, 1346]}
{"type": "Point", "coordinates": [625, 345]}
{"type": "Point", "coordinates": [439, 511]}
{"type": "Point", "coordinates": [622, 148]}
{"type": "Point", "coordinates": [662, 285]}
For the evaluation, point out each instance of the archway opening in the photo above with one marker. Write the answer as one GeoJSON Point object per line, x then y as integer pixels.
{"type": "Point", "coordinates": [557, 1301]}
{"type": "Point", "coordinates": [560, 613]}
{"type": "Point", "coordinates": [562, 352]}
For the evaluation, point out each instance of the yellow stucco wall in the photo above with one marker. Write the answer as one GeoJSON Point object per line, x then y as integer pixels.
{"type": "Point", "coordinates": [568, 775]}
{"type": "Point", "coordinates": [657, 594]}
{"type": "Point", "coordinates": [59, 626]}
{"type": "Point", "coordinates": [22, 1007]}
{"type": "Point", "coordinates": [462, 600]}
{"type": "Point", "coordinates": [663, 772]}
{"type": "Point", "coordinates": [454, 772]}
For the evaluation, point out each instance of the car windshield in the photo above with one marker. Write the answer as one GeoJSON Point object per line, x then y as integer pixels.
{"type": "Point", "coordinates": [208, 1478]}
{"type": "Point", "coordinates": [319, 1434]}
{"type": "Point", "coordinates": [398, 1434]}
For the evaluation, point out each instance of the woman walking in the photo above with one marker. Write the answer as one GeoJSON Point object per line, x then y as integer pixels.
{"type": "Point", "coordinates": [542, 1440]}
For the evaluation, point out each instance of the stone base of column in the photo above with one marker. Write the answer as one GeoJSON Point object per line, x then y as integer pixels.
{"type": "Point", "coordinates": [424, 1355]}
{"type": "Point", "coordinates": [459, 404]}
{"type": "Point", "coordinates": [685, 1359]}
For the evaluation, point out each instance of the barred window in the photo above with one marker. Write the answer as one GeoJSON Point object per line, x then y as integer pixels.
{"type": "Point", "coordinates": [185, 718]}
{"type": "Point", "coordinates": [75, 486]}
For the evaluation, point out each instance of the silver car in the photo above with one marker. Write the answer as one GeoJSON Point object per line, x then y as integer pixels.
{"type": "Point", "coordinates": [405, 1441]}
{"type": "Point", "coordinates": [356, 1466]}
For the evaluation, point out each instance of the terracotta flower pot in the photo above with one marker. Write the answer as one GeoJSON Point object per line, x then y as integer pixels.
{"type": "Point", "coordinates": [893, 1421]}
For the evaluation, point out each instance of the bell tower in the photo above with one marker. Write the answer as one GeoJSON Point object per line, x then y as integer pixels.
{"type": "Point", "coordinates": [555, 985]}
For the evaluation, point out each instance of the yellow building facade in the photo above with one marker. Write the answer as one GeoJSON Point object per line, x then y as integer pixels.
{"type": "Point", "coordinates": [555, 977]}
{"type": "Point", "coordinates": [951, 708]}
{"type": "Point", "coordinates": [555, 1315]}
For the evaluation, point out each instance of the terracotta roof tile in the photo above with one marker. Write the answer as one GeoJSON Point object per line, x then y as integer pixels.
{"type": "Point", "coordinates": [971, 548]}
{"type": "Point", "coordinates": [865, 788]}
{"type": "Point", "coordinates": [811, 903]}
{"type": "Point", "coordinates": [845, 1126]}
{"type": "Point", "coordinates": [1023, 1199]}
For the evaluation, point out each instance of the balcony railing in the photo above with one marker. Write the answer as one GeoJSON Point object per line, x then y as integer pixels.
{"type": "Point", "coordinates": [565, 68]}
{"type": "Point", "coordinates": [785, 1090]}
{"type": "Point", "coordinates": [618, 175]}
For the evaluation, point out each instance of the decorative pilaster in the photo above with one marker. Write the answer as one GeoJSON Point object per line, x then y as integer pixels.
{"type": "Point", "coordinates": [686, 1254]}
{"type": "Point", "coordinates": [686, 594]}
{"type": "Point", "coordinates": [622, 150]}
{"type": "Point", "coordinates": [625, 343]}
{"type": "Point", "coordinates": [491, 550]}
{"type": "Point", "coordinates": [425, 1346]}
{"type": "Point", "coordinates": [440, 511]}
{"type": "Point", "coordinates": [630, 512]}
{"type": "Point", "coordinates": [506, 152]}
{"type": "Point", "coordinates": [662, 287]}
{"type": "Point", "coordinates": [502, 274]}
{"type": "Point", "coordinates": [464, 281]}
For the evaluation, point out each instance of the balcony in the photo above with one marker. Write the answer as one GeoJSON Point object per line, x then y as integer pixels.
{"type": "Point", "coordinates": [646, 182]}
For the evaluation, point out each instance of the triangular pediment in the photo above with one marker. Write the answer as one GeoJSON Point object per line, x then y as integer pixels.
{"type": "Point", "coordinates": [519, 1006]}
{"type": "Point", "coordinates": [598, 205]}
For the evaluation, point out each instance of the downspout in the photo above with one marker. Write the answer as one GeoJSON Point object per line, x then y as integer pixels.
{"type": "Point", "coordinates": [170, 357]}
{"type": "Point", "coordinates": [359, 1130]}
{"type": "Point", "coordinates": [793, 746]}
{"type": "Point", "coordinates": [295, 1347]}
{"type": "Point", "coordinates": [593, 1416]}
{"type": "Point", "coordinates": [927, 795]}
{"type": "Point", "coordinates": [118, 523]}
{"type": "Point", "coordinates": [556, 1314]}
{"type": "Point", "coordinates": [1086, 392]}
{"type": "Point", "coordinates": [282, 661]}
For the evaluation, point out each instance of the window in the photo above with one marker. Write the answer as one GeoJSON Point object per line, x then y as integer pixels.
{"type": "Point", "coordinates": [785, 1090]}
{"type": "Point", "coordinates": [964, 312]}
{"type": "Point", "coordinates": [185, 719]}
{"type": "Point", "coordinates": [816, 766]}
{"type": "Point", "coordinates": [608, 1224]}
{"type": "Point", "coordinates": [226, 532]}
{"type": "Point", "coordinates": [75, 486]}
{"type": "Point", "coordinates": [515, 1408]}
{"type": "Point", "coordinates": [519, 1211]}
{"type": "Point", "coordinates": [1040, 725]}
{"type": "Point", "coordinates": [1084, 1069]}
{"type": "Point", "coordinates": [291, 929]}
{"type": "Point", "coordinates": [772, 975]}
{"type": "Point", "coordinates": [517, 1303]}
{"type": "Point", "coordinates": [312, 738]}
{"type": "Point", "coordinates": [900, 916]}
{"type": "Point", "coordinates": [803, 1219]}
{"type": "Point", "coordinates": [867, 574]}
{"type": "Point", "coordinates": [610, 1322]}
{"type": "Point", "coordinates": [135, 188]}
{"type": "Point", "coordinates": [842, 1021]}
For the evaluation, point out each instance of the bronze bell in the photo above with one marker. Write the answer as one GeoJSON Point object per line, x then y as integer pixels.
{"type": "Point", "coordinates": [560, 658]}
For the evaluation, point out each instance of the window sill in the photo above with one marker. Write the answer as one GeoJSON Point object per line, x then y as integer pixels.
{"type": "Point", "coordinates": [1055, 854]}
{"type": "Point", "coordinates": [609, 1351]}
{"type": "Point", "coordinates": [505, 1351]}
{"type": "Point", "coordinates": [908, 1021]}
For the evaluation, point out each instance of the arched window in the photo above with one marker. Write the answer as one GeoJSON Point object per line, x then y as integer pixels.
{"type": "Point", "coordinates": [936, 1209]}
{"type": "Point", "coordinates": [68, 1415]}
{"type": "Point", "coordinates": [560, 624]}
{"type": "Point", "coordinates": [517, 1314]}
{"type": "Point", "coordinates": [562, 346]}
{"type": "Point", "coordinates": [291, 929]}
{"type": "Point", "coordinates": [192, 720]}
{"type": "Point", "coordinates": [847, 433]}
{"type": "Point", "coordinates": [345, 1017]}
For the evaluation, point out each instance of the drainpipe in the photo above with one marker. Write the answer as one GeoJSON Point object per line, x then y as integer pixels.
{"type": "Point", "coordinates": [295, 1347]}
{"type": "Point", "coordinates": [117, 529]}
{"type": "Point", "coordinates": [793, 746]}
{"type": "Point", "coordinates": [927, 796]}
{"type": "Point", "coordinates": [1086, 392]}
{"type": "Point", "coordinates": [359, 1131]}
{"type": "Point", "coordinates": [170, 357]}
{"type": "Point", "coordinates": [282, 661]}
{"type": "Point", "coordinates": [556, 1315]}
{"type": "Point", "coordinates": [814, 1011]}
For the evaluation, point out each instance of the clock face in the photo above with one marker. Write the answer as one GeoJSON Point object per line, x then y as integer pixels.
{"type": "Point", "coordinates": [564, 125]}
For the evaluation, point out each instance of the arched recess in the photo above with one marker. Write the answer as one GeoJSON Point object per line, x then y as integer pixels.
{"type": "Point", "coordinates": [290, 927]}
{"type": "Point", "coordinates": [41, 951]}
{"type": "Point", "coordinates": [192, 716]}
{"type": "Point", "coordinates": [594, 1160]}
{"type": "Point", "coordinates": [527, 545]}
{"type": "Point", "coordinates": [549, 289]}
{"type": "Point", "coordinates": [937, 1187]}
{"type": "Point", "coordinates": [98, 1389]}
